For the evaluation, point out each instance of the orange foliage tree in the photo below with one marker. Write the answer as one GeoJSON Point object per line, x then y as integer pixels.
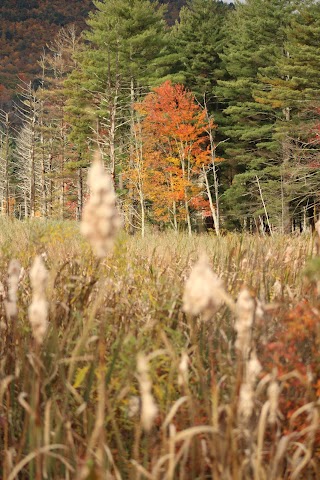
{"type": "Point", "coordinates": [173, 151]}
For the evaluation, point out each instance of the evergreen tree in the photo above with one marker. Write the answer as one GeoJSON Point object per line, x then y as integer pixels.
{"type": "Point", "coordinates": [292, 86]}
{"type": "Point", "coordinates": [198, 39]}
{"type": "Point", "coordinates": [122, 56]}
{"type": "Point", "coordinates": [256, 33]}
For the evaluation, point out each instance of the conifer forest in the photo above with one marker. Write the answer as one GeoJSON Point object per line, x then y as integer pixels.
{"type": "Point", "coordinates": [210, 121]}
{"type": "Point", "coordinates": [159, 240]}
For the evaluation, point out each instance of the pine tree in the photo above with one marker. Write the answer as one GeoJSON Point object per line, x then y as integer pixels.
{"type": "Point", "coordinates": [292, 86]}
{"type": "Point", "coordinates": [122, 57]}
{"type": "Point", "coordinates": [256, 33]}
{"type": "Point", "coordinates": [198, 39]}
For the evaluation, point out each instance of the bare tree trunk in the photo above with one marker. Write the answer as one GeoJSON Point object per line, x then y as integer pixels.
{"type": "Point", "coordinates": [6, 175]}
{"type": "Point", "coordinates": [188, 216]}
{"type": "Point", "coordinates": [131, 161]}
{"type": "Point", "coordinates": [50, 187]}
{"type": "Point", "coordinates": [62, 173]}
{"type": "Point", "coordinates": [174, 213]}
{"type": "Point", "coordinates": [213, 210]}
{"type": "Point", "coordinates": [80, 194]}
{"type": "Point", "coordinates": [33, 173]}
{"type": "Point", "coordinates": [44, 205]}
{"type": "Point", "coordinates": [264, 206]}
{"type": "Point", "coordinates": [26, 213]}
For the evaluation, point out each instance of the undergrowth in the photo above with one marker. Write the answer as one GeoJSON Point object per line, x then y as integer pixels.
{"type": "Point", "coordinates": [71, 409]}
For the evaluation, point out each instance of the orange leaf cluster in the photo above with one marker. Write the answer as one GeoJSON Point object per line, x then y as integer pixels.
{"type": "Point", "coordinates": [175, 148]}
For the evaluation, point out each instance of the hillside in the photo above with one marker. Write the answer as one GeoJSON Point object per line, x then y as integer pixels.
{"type": "Point", "coordinates": [26, 26]}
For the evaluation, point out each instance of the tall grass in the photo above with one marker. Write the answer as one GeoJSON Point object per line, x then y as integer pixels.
{"type": "Point", "coordinates": [72, 408]}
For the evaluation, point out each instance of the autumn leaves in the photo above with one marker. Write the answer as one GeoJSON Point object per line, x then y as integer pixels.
{"type": "Point", "coordinates": [172, 147]}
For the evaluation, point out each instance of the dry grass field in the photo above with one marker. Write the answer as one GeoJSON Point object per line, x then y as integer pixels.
{"type": "Point", "coordinates": [140, 373]}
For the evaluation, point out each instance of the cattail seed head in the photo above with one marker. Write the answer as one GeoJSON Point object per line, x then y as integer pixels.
{"type": "Point", "coordinates": [183, 370]}
{"type": "Point", "coordinates": [277, 289]}
{"type": "Point", "coordinates": [133, 406]}
{"type": "Point", "coordinates": [204, 292]}
{"type": "Point", "coordinates": [246, 402]}
{"type": "Point", "coordinates": [288, 254]}
{"type": "Point", "coordinates": [13, 283]}
{"type": "Point", "coordinates": [38, 310]}
{"type": "Point", "coordinates": [149, 409]}
{"type": "Point", "coordinates": [273, 396]}
{"type": "Point", "coordinates": [245, 312]}
{"type": "Point", "coordinates": [100, 220]}
{"type": "Point", "coordinates": [253, 368]}
{"type": "Point", "coordinates": [317, 227]}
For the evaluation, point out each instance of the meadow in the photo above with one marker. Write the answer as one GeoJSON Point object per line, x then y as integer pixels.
{"type": "Point", "coordinates": [131, 380]}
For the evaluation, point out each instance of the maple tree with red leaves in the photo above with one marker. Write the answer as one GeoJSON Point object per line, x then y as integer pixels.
{"type": "Point", "coordinates": [176, 146]}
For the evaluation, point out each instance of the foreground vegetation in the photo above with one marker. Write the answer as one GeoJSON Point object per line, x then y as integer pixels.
{"type": "Point", "coordinates": [71, 407]}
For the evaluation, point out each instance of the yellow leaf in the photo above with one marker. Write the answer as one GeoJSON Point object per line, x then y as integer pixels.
{"type": "Point", "coordinates": [80, 376]}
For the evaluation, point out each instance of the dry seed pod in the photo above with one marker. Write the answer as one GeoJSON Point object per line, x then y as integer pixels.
{"type": "Point", "coordinates": [253, 368]}
{"type": "Point", "coordinates": [13, 283]}
{"type": "Point", "coordinates": [133, 406]}
{"type": "Point", "coordinates": [317, 227]}
{"type": "Point", "coordinates": [273, 395]}
{"type": "Point", "coordinates": [204, 292]}
{"type": "Point", "coordinates": [183, 370]}
{"type": "Point", "coordinates": [38, 310]}
{"type": "Point", "coordinates": [288, 254]}
{"type": "Point", "coordinates": [100, 220]}
{"type": "Point", "coordinates": [245, 312]}
{"type": "Point", "coordinates": [277, 289]}
{"type": "Point", "coordinates": [316, 248]}
{"type": "Point", "coordinates": [246, 402]}
{"type": "Point", "coordinates": [149, 409]}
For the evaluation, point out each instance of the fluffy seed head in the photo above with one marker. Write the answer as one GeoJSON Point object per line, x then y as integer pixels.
{"type": "Point", "coordinates": [204, 292]}
{"type": "Point", "coordinates": [288, 254]}
{"type": "Point", "coordinates": [245, 311]}
{"type": "Point", "coordinates": [277, 288]}
{"type": "Point", "coordinates": [317, 227]}
{"type": "Point", "coordinates": [246, 402]}
{"type": "Point", "coordinates": [149, 409]}
{"type": "Point", "coordinates": [38, 310]}
{"type": "Point", "coordinates": [100, 220]}
{"type": "Point", "coordinates": [183, 370]}
{"type": "Point", "coordinates": [13, 283]}
{"type": "Point", "coordinates": [253, 368]}
{"type": "Point", "coordinates": [273, 396]}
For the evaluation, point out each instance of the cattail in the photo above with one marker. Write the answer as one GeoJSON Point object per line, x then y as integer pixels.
{"type": "Point", "coordinates": [183, 370]}
{"type": "Point", "coordinates": [204, 292]}
{"type": "Point", "coordinates": [245, 313]}
{"type": "Point", "coordinates": [247, 389]}
{"type": "Point", "coordinates": [38, 310]}
{"type": "Point", "coordinates": [133, 406]}
{"type": "Point", "coordinates": [246, 402]}
{"type": "Point", "coordinates": [316, 247]}
{"type": "Point", "coordinates": [2, 297]}
{"type": "Point", "coordinates": [13, 283]}
{"type": "Point", "coordinates": [273, 396]}
{"type": "Point", "coordinates": [253, 368]}
{"type": "Point", "coordinates": [269, 255]}
{"type": "Point", "coordinates": [288, 254]}
{"type": "Point", "coordinates": [277, 289]}
{"type": "Point", "coordinates": [317, 227]}
{"type": "Point", "coordinates": [2, 291]}
{"type": "Point", "coordinates": [149, 409]}
{"type": "Point", "coordinates": [100, 220]}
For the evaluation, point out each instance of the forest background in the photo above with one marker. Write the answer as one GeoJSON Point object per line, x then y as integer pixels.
{"type": "Point", "coordinates": [209, 119]}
